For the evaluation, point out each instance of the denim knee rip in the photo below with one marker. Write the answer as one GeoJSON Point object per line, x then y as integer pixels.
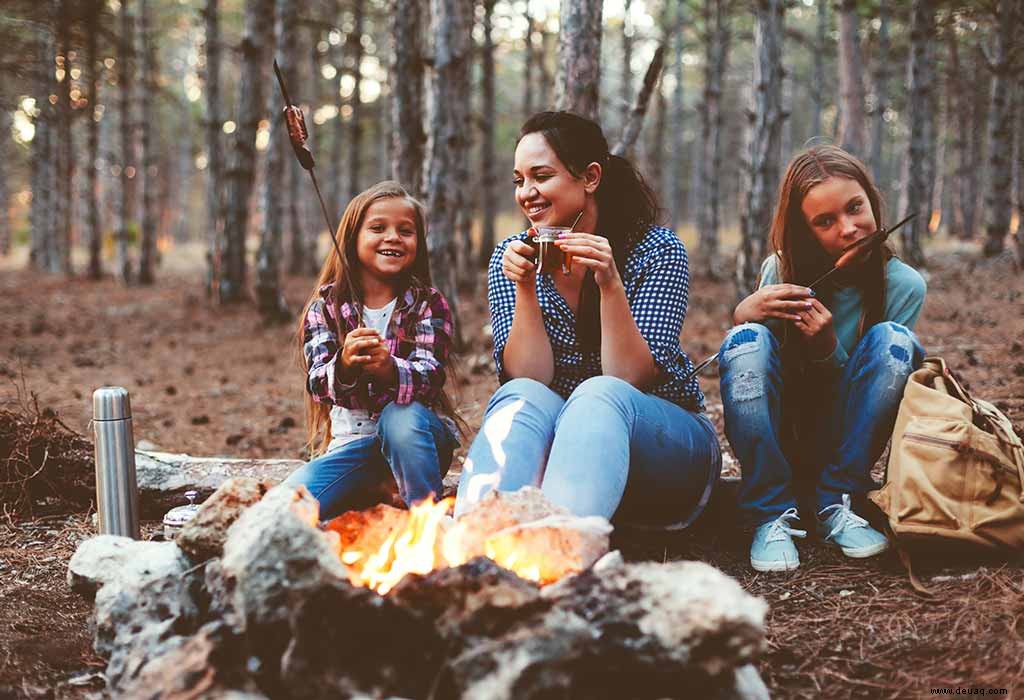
{"type": "Point", "coordinates": [747, 386]}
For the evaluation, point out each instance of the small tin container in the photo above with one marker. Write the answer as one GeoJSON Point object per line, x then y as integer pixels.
{"type": "Point", "coordinates": [178, 516]}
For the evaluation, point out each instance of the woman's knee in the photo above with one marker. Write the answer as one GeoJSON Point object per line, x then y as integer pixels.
{"type": "Point", "coordinates": [747, 343]}
{"type": "Point", "coordinates": [893, 345]}
{"type": "Point", "coordinates": [602, 386]}
{"type": "Point", "coordinates": [530, 392]}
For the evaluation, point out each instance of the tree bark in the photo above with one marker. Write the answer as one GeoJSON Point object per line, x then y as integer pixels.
{"type": "Point", "coordinates": [354, 42]}
{"type": "Point", "coordinates": [5, 221]}
{"type": "Point", "coordinates": [545, 79]}
{"type": "Point", "coordinates": [956, 111]}
{"type": "Point", "coordinates": [821, 49]}
{"type": "Point", "coordinates": [1019, 160]}
{"type": "Point", "coordinates": [626, 84]}
{"type": "Point", "coordinates": [851, 81]}
{"type": "Point", "coordinates": [409, 140]}
{"type": "Point", "coordinates": [214, 148]}
{"type": "Point", "coordinates": [656, 142]}
{"type": "Point", "coordinates": [998, 194]}
{"type": "Point", "coordinates": [765, 152]}
{"type": "Point", "coordinates": [919, 177]}
{"type": "Point", "coordinates": [452, 24]}
{"type": "Point", "coordinates": [148, 231]}
{"type": "Point", "coordinates": [979, 91]}
{"type": "Point", "coordinates": [269, 298]}
{"type": "Point", "coordinates": [529, 59]}
{"type": "Point", "coordinates": [127, 84]}
{"type": "Point", "coordinates": [881, 87]}
{"type": "Point", "coordinates": [336, 203]}
{"type": "Point", "coordinates": [717, 40]}
{"type": "Point", "coordinates": [579, 57]}
{"type": "Point", "coordinates": [676, 191]}
{"type": "Point", "coordinates": [488, 155]}
{"type": "Point", "coordinates": [241, 171]}
{"type": "Point", "coordinates": [65, 147]}
{"type": "Point", "coordinates": [635, 123]}
{"type": "Point", "coordinates": [95, 234]}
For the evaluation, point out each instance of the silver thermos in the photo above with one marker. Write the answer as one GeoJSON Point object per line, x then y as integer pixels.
{"type": "Point", "coordinates": [117, 495]}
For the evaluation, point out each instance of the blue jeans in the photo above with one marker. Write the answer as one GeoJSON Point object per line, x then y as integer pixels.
{"type": "Point", "coordinates": [609, 449]}
{"type": "Point", "coordinates": [849, 421]}
{"type": "Point", "coordinates": [412, 448]}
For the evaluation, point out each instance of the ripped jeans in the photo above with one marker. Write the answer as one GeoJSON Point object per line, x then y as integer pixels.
{"type": "Point", "coordinates": [851, 424]}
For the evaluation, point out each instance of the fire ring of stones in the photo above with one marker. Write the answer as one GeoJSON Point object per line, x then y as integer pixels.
{"type": "Point", "coordinates": [256, 599]}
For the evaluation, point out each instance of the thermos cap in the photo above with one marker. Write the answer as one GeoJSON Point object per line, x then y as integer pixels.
{"type": "Point", "coordinates": [111, 403]}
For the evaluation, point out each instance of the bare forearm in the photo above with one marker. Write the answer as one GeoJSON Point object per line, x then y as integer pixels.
{"type": "Point", "coordinates": [528, 349]}
{"type": "Point", "coordinates": [624, 352]}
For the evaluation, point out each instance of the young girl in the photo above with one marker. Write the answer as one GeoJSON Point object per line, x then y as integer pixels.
{"type": "Point", "coordinates": [376, 339]}
{"type": "Point", "coordinates": [818, 374]}
{"type": "Point", "coordinates": [594, 405]}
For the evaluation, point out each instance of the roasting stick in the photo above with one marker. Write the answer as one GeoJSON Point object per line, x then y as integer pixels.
{"type": "Point", "coordinates": [850, 253]}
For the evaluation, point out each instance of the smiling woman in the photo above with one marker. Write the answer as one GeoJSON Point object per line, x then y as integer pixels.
{"type": "Point", "coordinates": [595, 405]}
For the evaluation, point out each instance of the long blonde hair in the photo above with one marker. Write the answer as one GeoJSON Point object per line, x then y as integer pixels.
{"type": "Point", "coordinates": [342, 273]}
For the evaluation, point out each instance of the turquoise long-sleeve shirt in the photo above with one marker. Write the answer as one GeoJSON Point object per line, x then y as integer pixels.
{"type": "Point", "coordinates": [904, 297]}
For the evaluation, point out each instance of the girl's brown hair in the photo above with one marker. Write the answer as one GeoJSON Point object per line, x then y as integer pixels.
{"type": "Point", "coordinates": [342, 273]}
{"type": "Point", "coordinates": [801, 258]}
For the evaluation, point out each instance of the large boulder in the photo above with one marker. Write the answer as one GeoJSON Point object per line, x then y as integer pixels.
{"type": "Point", "coordinates": [203, 536]}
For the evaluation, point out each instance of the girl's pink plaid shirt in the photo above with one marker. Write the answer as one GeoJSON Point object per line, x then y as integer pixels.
{"type": "Point", "coordinates": [419, 337]}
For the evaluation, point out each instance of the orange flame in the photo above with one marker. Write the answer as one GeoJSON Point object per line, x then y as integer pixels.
{"type": "Point", "coordinates": [413, 549]}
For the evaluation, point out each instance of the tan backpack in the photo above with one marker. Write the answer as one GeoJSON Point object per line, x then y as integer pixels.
{"type": "Point", "coordinates": [956, 467]}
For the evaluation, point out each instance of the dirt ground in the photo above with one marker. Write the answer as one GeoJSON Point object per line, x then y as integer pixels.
{"type": "Point", "coordinates": [211, 380]}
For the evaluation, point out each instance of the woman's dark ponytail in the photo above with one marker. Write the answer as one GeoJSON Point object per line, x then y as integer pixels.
{"type": "Point", "coordinates": [626, 204]}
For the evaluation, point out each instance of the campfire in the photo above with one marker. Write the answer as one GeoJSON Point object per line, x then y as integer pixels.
{"type": "Point", "coordinates": [515, 599]}
{"type": "Point", "coordinates": [521, 532]}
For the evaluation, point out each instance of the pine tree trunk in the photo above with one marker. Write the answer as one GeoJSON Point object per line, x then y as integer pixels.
{"type": "Point", "coordinates": [676, 191]}
{"type": "Point", "coordinates": [765, 153]}
{"type": "Point", "coordinates": [5, 222]}
{"type": "Point", "coordinates": [881, 86]}
{"type": "Point", "coordinates": [998, 194]}
{"type": "Point", "coordinates": [718, 37]}
{"type": "Point", "coordinates": [529, 59]}
{"type": "Point", "coordinates": [626, 83]}
{"type": "Point", "coordinates": [241, 172]}
{"type": "Point", "coordinates": [979, 91]}
{"type": "Point", "coordinates": [65, 148]}
{"type": "Point", "coordinates": [269, 299]}
{"type": "Point", "coordinates": [336, 202]}
{"type": "Point", "coordinates": [545, 78]}
{"type": "Point", "coordinates": [957, 110]}
{"type": "Point", "coordinates": [657, 140]}
{"type": "Point", "coordinates": [126, 82]}
{"type": "Point", "coordinates": [488, 155]}
{"type": "Point", "coordinates": [1019, 160]}
{"type": "Point", "coordinates": [149, 171]}
{"type": "Point", "coordinates": [452, 25]}
{"type": "Point", "coordinates": [303, 84]}
{"type": "Point", "coordinates": [95, 235]}
{"type": "Point", "coordinates": [355, 125]}
{"type": "Point", "coordinates": [918, 187]}
{"type": "Point", "coordinates": [579, 57]}
{"type": "Point", "coordinates": [214, 148]}
{"type": "Point", "coordinates": [822, 49]}
{"type": "Point", "coordinates": [408, 137]}
{"type": "Point", "coordinates": [851, 81]}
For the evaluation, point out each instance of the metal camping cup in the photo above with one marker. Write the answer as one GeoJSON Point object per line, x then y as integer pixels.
{"type": "Point", "coordinates": [549, 256]}
{"type": "Point", "coordinates": [117, 494]}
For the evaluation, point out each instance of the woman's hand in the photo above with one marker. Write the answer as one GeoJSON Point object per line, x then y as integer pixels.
{"type": "Point", "coordinates": [816, 326]}
{"type": "Point", "coordinates": [592, 252]}
{"type": "Point", "coordinates": [783, 301]}
{"type": "Point", "coordinates": [517, 261]}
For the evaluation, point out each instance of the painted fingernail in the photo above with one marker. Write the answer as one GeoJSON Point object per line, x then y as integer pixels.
{"type": "Point", "coordinates": [811, 291]}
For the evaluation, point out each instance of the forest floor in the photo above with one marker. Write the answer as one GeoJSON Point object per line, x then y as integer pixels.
{"type": "Point", "coordinates": [210, 380]}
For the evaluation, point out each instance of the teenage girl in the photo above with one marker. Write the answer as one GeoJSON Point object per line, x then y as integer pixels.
{"type": "Point", "coordinates": [811, 379]}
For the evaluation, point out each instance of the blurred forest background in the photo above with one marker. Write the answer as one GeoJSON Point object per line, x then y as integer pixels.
{"type": "Point", "coordinates": [136, 134]}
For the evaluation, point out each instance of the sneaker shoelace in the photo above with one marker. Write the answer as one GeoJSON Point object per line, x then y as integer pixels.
{"type": "Point", "coordinates": [780, 529]}
{"type": "Point", "coordinates": [844, 517]}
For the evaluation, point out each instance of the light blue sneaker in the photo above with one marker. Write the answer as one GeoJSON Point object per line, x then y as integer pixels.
{"type": "Point", "coordinates": [839, 524]}
{"type": "Point", "coordinates": [773, 548]}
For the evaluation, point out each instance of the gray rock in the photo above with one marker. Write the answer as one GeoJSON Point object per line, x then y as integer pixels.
{"type": "Point", "coordinates": [164, 477]}
{"type": "Point", "coordinates": [144, 599]}
{"type": "Point", "coordinates": [203, 536]}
